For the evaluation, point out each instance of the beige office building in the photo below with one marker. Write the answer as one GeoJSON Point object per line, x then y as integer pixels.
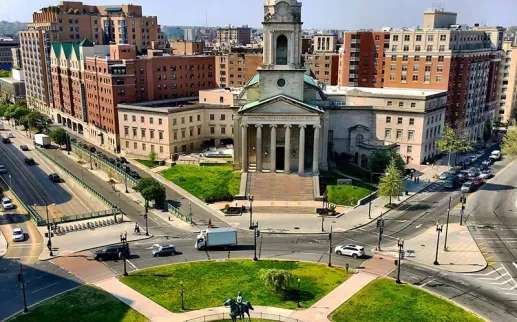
{"type": "Point", "coordinates": [507, 84]}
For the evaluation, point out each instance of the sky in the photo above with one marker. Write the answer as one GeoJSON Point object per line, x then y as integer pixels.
{"type": "Point", "coordinates": [318, 14]}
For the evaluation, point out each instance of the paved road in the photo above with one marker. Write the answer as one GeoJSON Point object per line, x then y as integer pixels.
{"type": "Point", "coordinates": [200, 215]}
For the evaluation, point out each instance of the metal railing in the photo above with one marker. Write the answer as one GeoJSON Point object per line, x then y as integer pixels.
{"type": "Point", "coordinates": [253, 315]}
{"type": "Point", "coordinates": [106, 163]}
{"type": "Point", "coordinates": [90, 215]}
{"type": "Point", "coordinates": [34, 216]}
{"type": "Point", "coordinates": [176, 212]}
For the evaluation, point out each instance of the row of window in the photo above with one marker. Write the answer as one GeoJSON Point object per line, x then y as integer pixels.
{"type": "Point", "coordinates": [419, 38]}
{"type": "Point", "coordinates": [144, 147]}
{"type": "Point", "coordinates": [416, 68]}
{"type": "Point", "coordinates": [417, 58]}
{"type": "Point", "coordinates": [427, 78]}
{"type": "Point", "coordinates": [418, 48]}
{"type": "Point", "coordinates": [399, 135]}
{"type": "Point", "coordinates": [142, 119]}
{"type": "Point", "coordinates": [400, 120]}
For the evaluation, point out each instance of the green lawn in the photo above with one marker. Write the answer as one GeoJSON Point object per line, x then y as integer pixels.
{"type": "Point", "coordinates": [210, 283]}
{"type": "Point", "coordinates": [383, 300]}
{"type": "Point", "coordinates": [86, 303]}
{"type": "Point", "coordinates": [148, 163]}
{"type": "Point", "coordinates": [347, 195]}
{"type": "Point", "coordinates": [208, 183]}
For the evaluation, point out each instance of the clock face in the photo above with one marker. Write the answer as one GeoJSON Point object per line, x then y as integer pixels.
{"type": "Point", "coordinates": [282, 9]}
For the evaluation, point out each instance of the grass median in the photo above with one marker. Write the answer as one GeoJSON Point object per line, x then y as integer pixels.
{"type": "Point", "coordinates": [384, 300]}
{"type": "Point", "coordinates": [148, 163]}
{"type": "Point", "coordinates": [209, 284]}
{"type": "Point", "coordinates": [85, 303]}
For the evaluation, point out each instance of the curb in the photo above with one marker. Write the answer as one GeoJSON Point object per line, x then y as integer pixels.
{"type": "Point", "coordinates": [3, 241]}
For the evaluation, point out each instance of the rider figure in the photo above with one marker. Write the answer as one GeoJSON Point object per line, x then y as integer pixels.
{"type": "Point", "coordinates": [239, 297]}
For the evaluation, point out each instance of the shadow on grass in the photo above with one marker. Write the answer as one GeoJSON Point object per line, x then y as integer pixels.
{"type": "Point", "coordinates": [293, 295]}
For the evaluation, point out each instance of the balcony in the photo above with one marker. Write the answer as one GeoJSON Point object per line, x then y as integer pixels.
{"type": "Point", "coordinates": [354, 58]}
{"type": "Point", "coordinates": [355, 41]}
{"type": "Point", "coordinates": [354, 67]}
{"type": "Point", "coordinates": [354, 50]}
{"type": "Point", "coordinates": [355, 84]}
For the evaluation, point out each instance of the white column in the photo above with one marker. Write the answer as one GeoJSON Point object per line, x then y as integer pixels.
{"type": "Point", "coordinates": [301, 152]}
{"type": "Point", "coordinates": [244, 148]}
{"type": "Point", "coordinates": [258, 148]}
{"type": "Point", "coordinates": [273, 148]}
{"type": "Point", "coordinates": [287, 152]}
{"type": "Point", "coordinates": [316, 152]}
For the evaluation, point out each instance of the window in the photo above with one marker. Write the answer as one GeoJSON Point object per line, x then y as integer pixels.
{"type": "Point", "coordinates": [439, 68]}
{"type": "Point", "coordinates": [413, 104]}
{"type": "Point", "coordinates": [427, 68]}
{"type": "Point", "coordinates": [412, 120]}
{"type": "Point", "coordinates": [441, 58]}
{"type": "Point", "coordinates": [418, 37]}
{"type": "Point", "coordinates": [427, 78]}
{"type": "Point", "coordinates": [377, 37]}
{"type": "Point", "coordinates": [392, 76]}
{"type": "Point", "coordinates": [399, 134]}
{"type": "Point", "coordinates": [394, 48]}
{"type": "Point", "coordinates": [430, 37]}
{"type": "Point", "coordinates": [395, 38]}
{"type": "Point", "coordinates": [173, 121]}
{"type": "Point", "coordinates": [151, 134]}
{"type": "Point", "coordinates": [199, 118]}
{"type": "Point", "coordinates": [126, 131]}
{"type": "Point", "coordinates": [133, 118]}
{"type": "Point", "coordinates": [143, 133]}
{"type": "Point", "coordinates": [418, 48]}
{"type": "Point", "coordinates": [135, 145]}
{"type": "Point", "coordinates": [403, 78]}
{"type": "Point", "coordinates": [441, 48]}
{"type": "Point", "coordinates": [416, 58]}
{"type": "Point", "coordinates": [159, 121]}
{"type": "Point", "coordinates": [125, 117]}
{"type": "Point", "coordinates": [183, 134]}
{"type": "Point", "coordinates": [429, 48]}
{"type": "Point", "coordinates": [410, 135]}
{"type": "Point", "coordinates": [416, 68]}
{"type": "Point", "coordinates": [134, 132]}
{"type": "Point", "coordinates": [388, 119]}
{"type": "Point", "coordinates": [443, 37]}
{"type": "Point", "coordinates": [393, 57]}
{"type": "Point", "coordinates": [161, 149]}
{"type": "Point", "coordinates": [390, 103]}
{"type": "Point", "coordinates": [439, 78]}
{"type": "Point", "coordinates": [221, 99]}
{"type": "Point", "coordinates": [212, 117]}
{"type": "Point", "coordinates": [406, 37]}
{"type": "Point", "coordinates": [393, 67]}
{"type": "Point", "coordinates": [405, 58]}
{"type": "Point", "coordinates": [406, 48]}
{"type": "Point", "coordinates": [409, 149]}
{"type": "Point", "coordinates": [212, 130]}
{"type": "Point", "coordinates": [223, 130]}
{"type": "Point", "coordinates": [415, 78]}
{"type": "Point", "coordinates": [175, 135]}
{"type": "Point", "coordinates": [160, 135]}
{"type": "Point", "coordinates": [387, 134]}
{"type": "Point", "coordinates": [142, 119]}
{"type": "Point", "coordinates": [127, 144]}
{"type": "Point", "coordinates": [183, 120]}
{"type": "Point", "coordinates": [428, 58]}
{"type": "Point", "coordinates": [399, 120]}
{"type": "Point", "coordinates": [151, 120]}
{"type": "Point", "coordinates": [223, 117]}
{"type": "Point", "coordinates": [143, 146]}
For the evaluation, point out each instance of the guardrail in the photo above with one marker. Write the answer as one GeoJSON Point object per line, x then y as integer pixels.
{"type": "Point", "coordinates": [176, 212]}
{"type": "Point", "coordinates": [253, 315]}
{"type": "Point", "coordinates": [90, 215]}
{"type": "Point", "coordinates": [95, 157]}
{"type": "Point", "coordinates": [76, 178]}
{"type": "Point", "coordinates": [32, 214]}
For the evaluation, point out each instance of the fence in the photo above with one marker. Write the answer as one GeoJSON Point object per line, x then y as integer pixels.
{"type": "Point", "coordinates": [253, 315]}
{"type": "Point", "coordinates": [108, 165]}
{"type": "Point", "coordinates": [90, 215]}
{"type": "Point", "coordinates": [34, 216]}
{"type": "Point", "coordinates": [76, 178]}
{"type": "Point", "coordinates": [176, 212]}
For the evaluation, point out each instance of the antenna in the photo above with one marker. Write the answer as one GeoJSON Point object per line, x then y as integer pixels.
{"type": "Point", "coordinates": [206, 17]}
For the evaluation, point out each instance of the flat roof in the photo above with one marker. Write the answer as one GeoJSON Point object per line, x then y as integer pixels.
{"type": "Point", "coordinates": [388, 91]}
{"type": "Point", "coordinates": [169, 106]}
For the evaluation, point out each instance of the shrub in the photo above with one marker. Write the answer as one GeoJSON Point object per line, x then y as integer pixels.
{"type": "Point", "coordinates": [279, 279]}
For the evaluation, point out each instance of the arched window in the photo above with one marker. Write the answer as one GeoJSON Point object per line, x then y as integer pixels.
{"type": "Point", "coordinates": [281, 50]}
{"type": "Point", "coordinates": [359, 139]}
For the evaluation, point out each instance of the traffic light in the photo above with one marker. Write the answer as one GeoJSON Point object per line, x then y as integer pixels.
{"type": "Point", "coordinates": [258, 233]}
{"type": "Point", "coordinates": [378, 222]}
{"type": "Point", "coordinates": [19, 277]}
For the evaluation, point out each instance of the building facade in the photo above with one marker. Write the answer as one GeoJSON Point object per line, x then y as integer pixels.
{"type": "Point", "coordinates": [235, 69]}
{"type": "Point", "coordinates": [6, 56]}
{"type": "Point", "coordinates": [362, 57]}
{"type": "Point", "coordinates": [231, 35]}
{"type": "Point", "coordinates": [187, 48]}
{"type": "Point", "coordinates": [324, 66]}
{"type": "Point", "coordinates": [325, 44]}
{"type": "Point", "coordinates": [507, 84]}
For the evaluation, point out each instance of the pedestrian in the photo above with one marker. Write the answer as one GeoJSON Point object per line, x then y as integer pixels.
{"type": "Point", "coordinates": [418, 180]}
{"type": "Point", "coordinates": [169, 218]}
{"type": "Point", "coordinates": [346, 267]}
{"type": "Point", "coordinates": [209, 222]}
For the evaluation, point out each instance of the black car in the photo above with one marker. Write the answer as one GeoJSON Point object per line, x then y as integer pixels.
{"type": "Point", "coordinates": [30, 161]}
{"type": "Point", "coordinates": [6, 140]}
{"type": "Point", "coordinates": [134, 175]}
{"type": "Point", "coordinates": [122, 160]}
{"type": "Point", "coordinates": [73, 140]}
{"type": "Point", "coordinates": [24, 147]}
{"type": "Point", "coordinates": [98, 153]}
{"type": "Point", "coordinates": [54, 177]}
{"type": "Point", "coordinates": [125, 168]}
{"type": "Point", "coordinates": [92, 149]}
{"type": "Point", "coordinates": [111, 160]}
{"type": "Point", "coordinates": [112, 252]}
{"type": "Point", "coordinates": [164, 250]}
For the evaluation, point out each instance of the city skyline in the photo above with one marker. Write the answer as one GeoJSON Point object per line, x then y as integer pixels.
{"type": "Point", "coordinates": [316, 14]}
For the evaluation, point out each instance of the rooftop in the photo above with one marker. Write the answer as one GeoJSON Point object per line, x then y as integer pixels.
{"type": "Point", "coordinates": [387, 91]}
{"type": "Point", "coordinates": [166, 106]}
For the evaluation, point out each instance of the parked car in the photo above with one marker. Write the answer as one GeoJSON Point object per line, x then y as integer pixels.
{"type": "Point", "coordinates": [467, 162]}
{"type": "Point", "coordinates": [54, 177]}
{"type": "Point", "coordinates": [7, 203]}
{"type": "Point", "coordinates": [477, 181]}
{"type": "Point", "coordinates": [3, 169]}
{"type": "Point", "coordinates": [23, 147]}
{"type": "Point", "coordinates": [495, 155]}
{"type": "Point", "coordinates": [350, 250]}
{"type": "Point", "coordinates": [485, 174]}
{"type": "Point", "coordinates": [444, 175]}
{"type": "Point", "coordinates": [111, 160]}
{"type": "Point", "coordinates": [98, 153]}
{"type": "Point", "coordinates": [487, 162]}
{"type": "Point", "coordinates": [123, 160]}
{"type": "Point", "coordinates": [134, 175]}
{"type": "Point", "coordinates": [111, 252]}
{"type": "Point", "coordinates": [10, 135]}
{"type": "Point", "coordinates": [73, 140]}
{"type": "Point", "coordinates": [467, 187]}
{"type": "Point", "coordinates": [164, 250]}
{"type": "Point", "coordinates": [483, 167]}
{"type": "Point", "coordinates": [6, 140]}
{"type": "Point", "coordinates": [92, 149]}
{"type": "Point", "coordinates": [473, 172]}
{"type": "Point", "coordinates": [473, 158]}
{"type": "Point", "coordinates": [455, 170]}
{"type": "Point", "coordinates": [461, 177]}
{"type": "Point", "coordinates": [30, 161]}
{"type": "Point", "coordinates": [125, 168]}
{"type": "Point", "coordinates": [450, 183]}
{"type": "Point", "coordinates": [18, 235]}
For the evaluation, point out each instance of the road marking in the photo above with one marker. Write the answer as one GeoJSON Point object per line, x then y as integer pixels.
{"type": "Point", "coordinates": [45, 287]}
{"type": "Point", "coordinates": [486, 274]}
{"type": "Point", "coordinates": [159, 224]}
{"type": "Point", "coordinates": [418, 226]}
{"type": "Point", "coordinates": [492, 263]}
{"type": "Point", "coordinates": [426, 283]}
{"type": "Point", "coordinates": [132, 265]}
{"type": "Point", "coordinates": [495, 278]}
{"type": "Point", "coordinates": [511, 294]}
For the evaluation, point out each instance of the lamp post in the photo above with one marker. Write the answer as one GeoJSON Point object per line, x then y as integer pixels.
{"type": "Point", "coordinates": [251, 210]}
{"type": "Point", "coordinates": [322, 221]}
{"type": "Point", "coordinates": [49, 243]}
{"type": "Point", "coordinates": [380, 224]}
{"type": "Point", "coordinates": [182, 304]}
{"type": "Point", "coordinates": [439, 228]}
{"type": "Point", "coordinates": [22, 281]}
{"type": "Point", "coordinates": [68, 144]}
{"type": "Point", "coordinates": [145, 217]}
{"type": "Point", "coordinates": [125, 181]}
{"type": "Point", "coordinates": [370, 196]}
{"type": "Point", "coordinates": [90, 153]}
{"type": "Point", "coordinates": [123, 240]}
{"type": "Point", "coordinates": [299, 294]}
{"type": "Point", "coordinates": [330, 247]}
{"type": "Point", "coordinates": [120, 209]}
{"type": "Point", "coordinates": [447, 225]}
{"type": "Point", "coordinates": [256, 234]}
{"type": "Point", "coordinates": [400, 244]}
{"type": "Point", "coordinates": [462, 211]}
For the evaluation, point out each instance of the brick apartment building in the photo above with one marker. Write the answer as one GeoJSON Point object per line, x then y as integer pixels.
{"type": "Point", "coordinates": [446, 56]}
{"type": "Point", "coordinates": [361, 58]}
{"type": "Point", "coordinates": [236, 69]}
{"type": "Point", "coordinates": [187, 47]}
{"type": "Point", "coordinates": [231, 35]}
{"type": "Point", "coordinates": [324, 66]}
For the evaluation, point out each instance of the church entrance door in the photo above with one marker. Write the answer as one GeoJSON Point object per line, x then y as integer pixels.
{"type": "Point", "coordinates": [280, 157]}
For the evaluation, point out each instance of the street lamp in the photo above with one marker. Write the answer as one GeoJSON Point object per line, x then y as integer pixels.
{"type": "Point", "coordinates": [447, 225]}
{"type": "Point", "coordinates": [120, 209]}
{"type": "Point", "coordinates": [400, 244]}
{"type": "Point", "coordinates": [299, 294]}
{"type": "Point", "coordinates": [256, 233]}
{"type": "Point", "coordinates": [380, 224]}
{"type": "Point", "coordinates": [123, 240]}
{"type": "Point", "coordinates": [90, 153]}
{"type": "Point", "coordinates": [125, 181]}
{"type": "Point", "coordinates": [68, 144]}
{"type": "Point", "coordinates": [462, 211]}
{"type": "Point", "coordinates": [370, 196]}
{"type": "Point", "coordinates": [330, 247]}
{"type": "Point", "coordinates": [145, 217]}
{"type": "Point", "coordinates": [251, 210]}
{"type": "Point", "coordinates": [182, 304]}
{"type": "Point", "coordinates": [22, 281]}
{"type": "Point", "coordinates": [439, 228]}
{"type": "Point", "coordinates": [49, 243]}
{"type": "Point", "coordinates": [322, 221]}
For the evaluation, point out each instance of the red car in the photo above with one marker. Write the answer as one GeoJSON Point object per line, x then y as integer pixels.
{"type": "Point", "coordinates": [477, 181]}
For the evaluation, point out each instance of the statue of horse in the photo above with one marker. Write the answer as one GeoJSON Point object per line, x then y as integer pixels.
{"type": "Point", "coordinates": [238, 310]}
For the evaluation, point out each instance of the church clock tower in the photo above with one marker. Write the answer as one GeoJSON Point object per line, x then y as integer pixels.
{"type": "Point", "coordinates": [282, 71]}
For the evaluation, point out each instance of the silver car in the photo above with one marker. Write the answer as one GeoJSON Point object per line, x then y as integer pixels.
{"type": "Point", "coordinates": [444, 175]}
{"type": "Point", "coordinates": [467, 187]}
{"type": "Point", "coordinates": [3, 169]}
{"type": "Point", "coordinates": [485, 174]}
{"type": "Point", "coordinates": [18, 235]}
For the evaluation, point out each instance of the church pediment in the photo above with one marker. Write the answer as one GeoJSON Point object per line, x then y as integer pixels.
{"type": "Point", "coordinates": [280, 104]}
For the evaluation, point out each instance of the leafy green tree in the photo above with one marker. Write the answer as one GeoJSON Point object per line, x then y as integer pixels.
{"type": "Point", "coordinates": [19, 113]}
{"type": "Point", "coordinates": [152, 156]}
{"type": "Point", "coordinates": [279, 279]}
{"type": "Point", "coordinates": [391, 183]}
{"type": "Point", "coordinates": [5, 73]}
{"type": "Point", "coordinates": [150, 189]}
{"type": "Point", "coordinates": [509, 145]}
{"type": "Point", "coordinates": [487, 131]}
{"type": "Point", "coordinates": [448, 142]}
{"type": "Point", "coordinates": [379, 160]}
{"type": "Point", "coordinates": [59, 136]}
{"type": "Point", "coordinates": [36, 121]}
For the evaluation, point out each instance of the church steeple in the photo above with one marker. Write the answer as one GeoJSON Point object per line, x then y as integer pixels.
{"type": "Point", "coordinates": [282, 34]}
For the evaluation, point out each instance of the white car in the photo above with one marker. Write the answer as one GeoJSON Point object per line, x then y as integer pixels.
{"type": "Point", "coordinates": [18, 235]}
{"type": "Point", "coordinates": [10, 135]}
{"type": "Point", "coordinates": [7, 203]}
{"type": "Point", "coordinates": [485, 174]}
{"type": "Point", "coordinates": [350, 250]}
{"type": "Point", "coordinates": [3, 169]}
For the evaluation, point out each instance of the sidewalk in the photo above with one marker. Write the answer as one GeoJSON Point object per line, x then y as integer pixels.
{"type": "Point", "coordinates": [318, 312]}
{"type": "Point", "coordinates": [463, 255]}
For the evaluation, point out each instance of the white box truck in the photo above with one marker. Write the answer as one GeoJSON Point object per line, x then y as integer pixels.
{"type": "Point", "coordinates": [495, 155]}
{"type": "Point", "coordinates": [42, 140]}
{"type": "Point", "coordinates": [217, 237]}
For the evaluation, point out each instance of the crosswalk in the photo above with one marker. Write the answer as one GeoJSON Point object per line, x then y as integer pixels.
{"type": "Point", "coordinates": [499, 277]}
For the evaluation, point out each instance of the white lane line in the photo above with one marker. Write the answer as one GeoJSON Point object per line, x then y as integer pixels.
{"type": "Point", "coordinates": [426, 283]}
{"type": "Point", "coordinates": [131, 264]}
{"type": "Point", "coordinates": [509, 288]}
{"type": "Point", "coordinates": [45, 287]}
{"type": "Point", "coordinates": [515, 294]}
{"type": "Point", "coordinates": [486, 274]}
{"type": "Point", "coordinates": [501, 283]}
{"type": "Point", "coordinates": [159, 224]}
{"type": "Point", "coordinates": [495, 278]}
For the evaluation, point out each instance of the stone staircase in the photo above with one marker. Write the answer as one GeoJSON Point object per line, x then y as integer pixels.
{"type": "Point", "coordinates": [280, 187]}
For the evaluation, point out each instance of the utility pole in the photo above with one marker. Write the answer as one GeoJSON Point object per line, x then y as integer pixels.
{"type": "Point", "coordinates": [330, 247]}
{"type": "Point", "coordinates": [256, 234]}
{"type": "Point", "coordinates": [145, 217]}
{"type": "Point", "coordinates": [462, 211]}
{"type": "Point", "coordinates": [22, 281]}
{"type": "Point", "coordinates": [380, 224]}
{"type": "Point", "coordinates": [447, 225]}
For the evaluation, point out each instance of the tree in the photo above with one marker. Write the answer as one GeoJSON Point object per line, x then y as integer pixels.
{"type": "Point", "coordinates": [279, 279]}
{"type": "Point", "coordinates": [5, 73]}
{"type": "Point", "coordinates": [152, 156]}
{"type": "Point", "coordinates": [379, 160]}
{"type": "Point", "coordinates": [448, 142]}
{"type": "Point", "coordinates": [509, 145]}
{"type": "Point", "coordinates": [391, 183]}
{"type": "Point", "coordinates": [36, 121]}
{"type": "Point", "coordinates": [150, 189]}
{"type": "Point", "coordinates": [59, 136]}
{"type": "Point", "coordinates": [487, 131]}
